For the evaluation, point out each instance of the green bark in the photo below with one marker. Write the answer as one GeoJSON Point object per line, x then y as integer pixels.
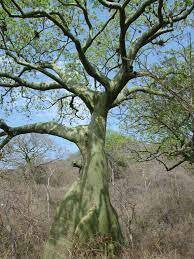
{"type": "Point", "coordinates": [86, 211]}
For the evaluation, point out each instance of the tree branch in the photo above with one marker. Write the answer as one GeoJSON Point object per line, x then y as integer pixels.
{"type": "Point", "coordinates": [52, 128]}
{"type": "Point", "coordinates": [5, 142]}
{"type": "Point", "coordinates": [22, 82]}
{"type": "Point", "coordinates": [86, 96]}
{"type": "Point", "coordinates": [154, 31]}
{"type": "Point", "coordinates": [139, 12]}
{"type": "Point", "coordinates": [91, 39]}
{"type": "Point", "coordinates": [128, 93]}
{"type": "Point", "coordinates": [171, 167]}
{"type": "Point", "coordinates": [90, 69]}
{"type": "Point", "coordinates": [122, 41]}
{"type": "Point", "coordinates": [110, 4]}
{"type": "Point", "coordinates": [183, 15]}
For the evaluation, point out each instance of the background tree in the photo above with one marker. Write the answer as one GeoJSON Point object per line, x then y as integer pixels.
{"type": "Point", "coordinates": [166, 123]}
{"type": "Point", "coordinates": [80, 52]}
{"type": "Point", "coordinates": [30, 153]}
{"type": "Point", "coordinates": [30, 149]}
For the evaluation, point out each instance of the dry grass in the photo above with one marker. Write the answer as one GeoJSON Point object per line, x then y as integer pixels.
{"type": "Point", "coordinates": [156, 211]}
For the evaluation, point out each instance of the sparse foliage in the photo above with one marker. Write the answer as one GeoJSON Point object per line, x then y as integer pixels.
{"type": "Point", "coordinates": [165, 125]}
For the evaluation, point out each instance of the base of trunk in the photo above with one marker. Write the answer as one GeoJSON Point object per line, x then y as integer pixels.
{"type": "Point", "coordinates": [81, 219]}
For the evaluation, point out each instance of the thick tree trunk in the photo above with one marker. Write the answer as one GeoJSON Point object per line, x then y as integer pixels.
{"type": "Point", "coordinates": [86, 212]}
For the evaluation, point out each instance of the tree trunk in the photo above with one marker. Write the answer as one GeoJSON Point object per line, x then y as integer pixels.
{"type": "Point", "coordinates": [86, 212]}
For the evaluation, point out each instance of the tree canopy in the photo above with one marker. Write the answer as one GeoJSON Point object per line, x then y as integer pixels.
{"type": "Point", "coordinates": [78, 49]}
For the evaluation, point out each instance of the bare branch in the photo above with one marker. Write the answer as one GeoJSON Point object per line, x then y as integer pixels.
{"type": "Point", "coordinates": [171, 167]}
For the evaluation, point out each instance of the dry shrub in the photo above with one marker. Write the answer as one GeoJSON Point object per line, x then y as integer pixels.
{"type": "Point", "coordinates": [99, 246]}
{"type": "Point", "coordinates": [156, 211]}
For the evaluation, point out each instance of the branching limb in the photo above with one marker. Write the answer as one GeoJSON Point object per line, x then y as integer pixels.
{"type": "Point", "coordinates": [157, 29]}
{"type": "Point", "coordinates": [150, 155]}
{"type": "Point", "coordinates": [22, 82]}
{"type": "Point", "coordinates": [91, 39]}
{"type": "Point", "coordinates": [169, 168]}
{"type": "Point", "coordinates": [139, 12]}
{"type": "Point", "coordinates": [85, 95]}
{"type": "Point", "coordinates": [159, 33]}
{"type": "Point", "coordinates": [40, 68]}
{"type": "Point", "coordinates": [60, 80]}
{"type": "Point", "coordinates": [52, 128]}
{"type": "Point", "coordinates": [183, 14]}
{"type": "Point", "coordinates": [86, 16]}
{"type": "Point", "coordinates": [62, 25]}
{"type": "Point", "coordinates": [128, 93]}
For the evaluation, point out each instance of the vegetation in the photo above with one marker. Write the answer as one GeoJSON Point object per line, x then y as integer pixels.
{"type": "Point", "coordinates": [115, 147]}
{"type": "Point", "coordinates": [155, 210]}
{"type": "Point", "coordinates": [166, 121]}
{"type": "Point", "coordinates": [29, 150]}
{"type": "Point", "coordinates": [82, 59]}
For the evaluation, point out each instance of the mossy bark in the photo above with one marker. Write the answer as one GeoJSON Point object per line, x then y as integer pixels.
{"type": "Point", "coordinates": [86, 211]}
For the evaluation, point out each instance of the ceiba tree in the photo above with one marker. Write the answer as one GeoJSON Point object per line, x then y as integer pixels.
{"type": "Point", "coordinates": [81, 52]}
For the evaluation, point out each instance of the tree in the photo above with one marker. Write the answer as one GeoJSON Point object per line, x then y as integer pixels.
{"type": "Point", "coordinates": [28, 150]}
{"type": "Point", "coordinates": [115, 147]}
{"type": "Point", "coordinates": [166, 124]}
{"type": "Point", "coordinates": [30, 153]}
{"type": "Point", "coordinates": [82, 52]}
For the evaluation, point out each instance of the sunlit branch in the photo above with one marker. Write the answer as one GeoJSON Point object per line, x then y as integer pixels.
{"type": "Point", "coordinates": [60, 82]}
{"type": "Point", "coordinates": [51, 128]}
{"type": "Point", "coordinates": [128, 93]}
{"type": "Point", "coordinates": [32, 85]}
{"type": "Point", "coordinates": [110, 4]}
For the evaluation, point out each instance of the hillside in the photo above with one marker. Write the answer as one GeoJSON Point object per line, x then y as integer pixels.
{"type": "Point", "coordinates": [155, 208]}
